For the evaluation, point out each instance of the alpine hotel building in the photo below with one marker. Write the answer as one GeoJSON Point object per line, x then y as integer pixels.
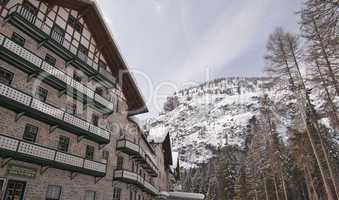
{"type": "Point", "coordinates": [66, 101]}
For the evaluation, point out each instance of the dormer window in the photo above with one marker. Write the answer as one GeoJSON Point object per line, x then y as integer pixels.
{"type": "Point", "coordinates": [83, 53]}
{"type": "Point", "coordinates": [73, 22]}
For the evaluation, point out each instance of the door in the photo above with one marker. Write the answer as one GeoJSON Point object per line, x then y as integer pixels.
{"type": "Point", "coordinates": [15, 190]}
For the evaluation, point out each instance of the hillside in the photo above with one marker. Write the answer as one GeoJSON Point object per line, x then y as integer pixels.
{"type": "Point", "coordinates": [204, 118]}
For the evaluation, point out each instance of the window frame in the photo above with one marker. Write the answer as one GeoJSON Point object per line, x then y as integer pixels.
{"type": "Point", "coordinates": [89, 154]}
{"type": "Point", "coordinates": [63, 142]}
{"type": "Point", "coordinates": [120, 163]}
{"type": "Point", "coordinates": [51, 60]}
{"type": "Point", "coordinates": [117, 193]}
{"type": "Point", "coordinates": [83, 50]}
{"type": "Point", "coordinates": [56, 186]}
{"type": "Point", "coordinates": [75, 24]}
{"type": "Point", "coordinates": [31, 130]}
{"type": "Point", "coordinates": [90, 191]}
{"type": "Point", "coordinates": [5, 71]}
{"type": "Point", "coordinates": [95, 119]}
{"type": "Point", "coordinates": [105, 155]}
{"type": "Point", "coordinates": [72, 109]}
{"type": "Point", "coordinates": [18, 39]}
{"type": "Point", "coordinates": [41, 94]}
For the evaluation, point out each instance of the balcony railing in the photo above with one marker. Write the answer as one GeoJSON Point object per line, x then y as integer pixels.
{"type": "Point", "coordinates": [136, 150]}
{"type": "Point", "coordinates": [33, 63]}
{"type": "Point", "coordinates": [133, 178]}
{"type": "Point", "coordinates": [38, 154]}
{"type": "Point", "coordinates": [45, 31]}
{"type": "Point", "coordinates": [21, 102]}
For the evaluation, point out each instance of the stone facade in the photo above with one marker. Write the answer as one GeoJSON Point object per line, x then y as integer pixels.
{"type": "Point", "coordinates": [42, 168]}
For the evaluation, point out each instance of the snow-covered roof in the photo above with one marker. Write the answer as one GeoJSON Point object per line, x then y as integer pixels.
{"type": "Point", "coordinates": [185, 196]}
{"type": "Point", "coordinates": [157, 134]}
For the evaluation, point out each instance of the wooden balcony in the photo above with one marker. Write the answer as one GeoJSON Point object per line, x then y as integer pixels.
{"type": "Point", "coordinates": [133, 178]}
{"type": "Point", "coordinates": [46, 35]}
{"type": "Point", "coordinates": [45, 156]}
{"type": "Point", "coordinates": [138, 154]}
{"type": "Point", "coordinates": [32, 64]}
{"type": "Point", "coordinates": [24, 104]}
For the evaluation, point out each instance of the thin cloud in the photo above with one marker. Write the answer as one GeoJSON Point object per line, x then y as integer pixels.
{"type": "Point", "coordinates": [231, 35]}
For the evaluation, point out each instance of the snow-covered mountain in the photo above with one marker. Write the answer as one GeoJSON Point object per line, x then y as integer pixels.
{"type": "Point", "coordinates": [203, 118]}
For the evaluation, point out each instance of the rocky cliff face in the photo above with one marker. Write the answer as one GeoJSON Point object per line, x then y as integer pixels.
{"type": "Point", "coordinates": [207, 117]}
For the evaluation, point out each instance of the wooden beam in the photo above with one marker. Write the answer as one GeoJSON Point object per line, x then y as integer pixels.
{"type": "Point", "coordinates": [90, 78]}
{"type": "Point", "coordinates": [73, 175]}
{"type": "Point", "coordinates": [18, 116]}
{"type": "Point", "coordinates": [97, 179]}
{"type": "Point", "coordinates": [40, 44]}
{"type": "Point", "coordinates": [106, 115]}
{"type": "Point", "coordinates": [69, 62]}
{"type": "Point", "coordinates": [62, 92]}
{"type": "Point", "coordinates": [5, 161]}
{"type": "Point", "coordinates": [102, 146]}
{"type": "Point", "coordinates": [52, 128]}
{"type": "Point", "coordinates": [43, 169]}
{"type": "Point", "coordinates": [6, 20]}
{"type": "Point", "coordinates": [79, 138]}
{"type": "Point", "coordinates": [33, 75]}
{"type": "Point", "coordinates": [98, 49]}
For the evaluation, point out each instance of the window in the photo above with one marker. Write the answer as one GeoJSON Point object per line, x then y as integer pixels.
{"type": "Point", "coordinates": [15, 190]}
{"type": "Point", "coordinates": [95, 120]}
{"type": "Point", "coordinates": [99, 91]}
{"type": "Point", "coordinates": [133, 166]}
{"type": "Point", "coordinates": [131, 195]}
{"type": "Point", "coordinates": [120, 162]}
{"type": "Point", "coordinates": [73, 22]}
{"type": "Point", "coordinates": [41, 94]}
{"type": "Point", "coordinates": [105, 155]}
{"type": "Point", "coordinates": [72, 109]}
{"type": "Point", "coordinates": [63, 143]}
{"type": "Point", "coordinates": [30, 133]}
{"type": "Point", "coordinates": [50, 59]}
{"type": "Point", "coordinates": [89, 152]}
{"type": "Point", "coordinates": [6, 77]}
{"type": "Point", "coordinates": [82, 52]}
{"type": "Point", "coordinates": [116, 193]}
{"type": "Point", "coordinates": [77, 77]}
{"type": "Point", "coordinates": [53, 192]}
{"type": "Point", "coordinates": [90, 195]}
{"type": "Point", "coordinates": [18, 39]}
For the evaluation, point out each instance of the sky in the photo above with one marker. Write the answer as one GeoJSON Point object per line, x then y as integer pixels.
{"type": "Point", "coordinates": [171, 44]}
